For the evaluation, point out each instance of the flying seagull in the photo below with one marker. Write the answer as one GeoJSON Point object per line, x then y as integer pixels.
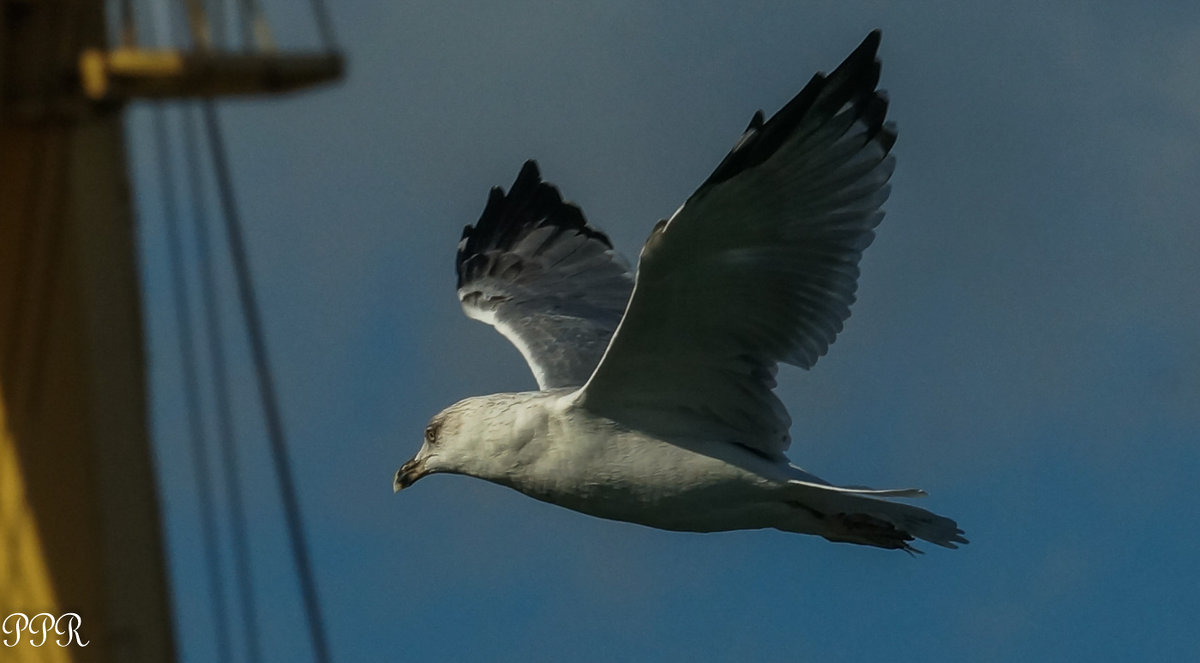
{"type": "Point", "coordinates": [655, 402]}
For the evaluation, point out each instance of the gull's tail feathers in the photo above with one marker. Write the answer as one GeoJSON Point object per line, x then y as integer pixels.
{"type": "Point", "coordinates": [863, 490]}
{"type": "Point", "coordinates": [856, 516]}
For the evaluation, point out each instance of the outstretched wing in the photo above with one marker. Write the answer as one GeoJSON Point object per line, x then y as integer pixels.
{"type": "Point", "coordinates": [550, 283]}
{"type": "Point", "coordinates": [758, 267]}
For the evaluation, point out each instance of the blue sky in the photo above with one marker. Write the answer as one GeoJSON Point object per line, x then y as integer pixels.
{"type": "Point", "coordinates": [1026, 344]}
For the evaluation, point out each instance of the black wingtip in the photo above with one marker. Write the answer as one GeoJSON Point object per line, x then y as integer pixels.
{"type": "Point", "coordinates": [756, 122]}
{"type": "Point", "coordinates": [853, 81]}
{"type": "Point", "coordinates": [530, 203]}
{"type": "Point", "coordinates": [873, 38]}
{"type": "Point", "coordinates": [529, 173]}
{"type": "Point", "coordinates": [887, 135]}
{"type": "Point", "coordinates": [862, 62]}
{"type": "Point", "coordinates": [869, 46]}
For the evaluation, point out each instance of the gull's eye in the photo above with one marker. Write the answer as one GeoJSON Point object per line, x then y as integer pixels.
{"type": "Point", "coordinates": [431, 432]}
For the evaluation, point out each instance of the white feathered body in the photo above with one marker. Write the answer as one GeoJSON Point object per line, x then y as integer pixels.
{"type": "Point", "coordinates": [545, 445]}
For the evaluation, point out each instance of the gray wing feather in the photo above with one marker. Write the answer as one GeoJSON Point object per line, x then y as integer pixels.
{"type": "Point", "coordinates": [550, 283]}
{"type": "Point", "coordinates": [758, 267]}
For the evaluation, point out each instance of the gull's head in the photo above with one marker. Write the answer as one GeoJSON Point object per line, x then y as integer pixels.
{"type": "Point", "coordinates": [429, 459]}
{"type": "Point", "coordinates": [456, 442]}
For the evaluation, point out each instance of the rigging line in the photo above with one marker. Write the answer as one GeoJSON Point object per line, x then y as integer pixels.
{"type": "Point", "coordinates": [156, 22]}
{"type": "Point", "coordinates": [178, 26]}
{"type": "Point", "coordinates": [198, 27]}
{"type": "Point", "coordinates": [244, 24]}
{"type": "Point", "coordinates": [266, 388]}
{"type": "Point", "coordinates": [324, 25]}
{"type": "Point", "coordinates": [190, 382]}
{"type": "Point", "coordinates": [218, 17]}
{"type": "Point", "coordinates": [128, 27]}
{"type": "Point", "coordinates": [220, 385]}
{"type": "Point", "coordinates": [263, 40]}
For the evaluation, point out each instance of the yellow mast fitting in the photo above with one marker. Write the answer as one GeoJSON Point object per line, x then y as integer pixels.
{"type": "Point", "coordinates": [126, 73]}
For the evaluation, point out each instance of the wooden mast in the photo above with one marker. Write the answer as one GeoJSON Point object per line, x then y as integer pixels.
{"type": "Point", "coordinates": [79, 518]}
{"type": "Point", "coordinates": [80, 510]}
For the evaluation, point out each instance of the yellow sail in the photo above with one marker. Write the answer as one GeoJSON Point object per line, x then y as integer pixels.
{"type": "Point", "coordinates": [24, 579]}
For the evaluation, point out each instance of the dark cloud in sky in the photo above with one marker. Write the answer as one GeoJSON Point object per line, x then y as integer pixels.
{"type": "Point", "coordinates": [1025, 344]}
